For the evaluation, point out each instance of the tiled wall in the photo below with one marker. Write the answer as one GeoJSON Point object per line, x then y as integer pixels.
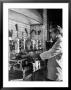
{"type": "Point", "coordinates": [21, 28]}
{"type": "Point", "coordinates": [23, 19]}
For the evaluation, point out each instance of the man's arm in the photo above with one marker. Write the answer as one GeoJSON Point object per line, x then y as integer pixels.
{"type": "Point", "coordinates": [56, 49]}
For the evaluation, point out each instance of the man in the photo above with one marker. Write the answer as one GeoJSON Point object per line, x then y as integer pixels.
{"type": "Point", "coordinates": [54, 56]}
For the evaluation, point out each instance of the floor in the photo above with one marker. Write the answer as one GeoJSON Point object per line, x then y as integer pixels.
{"type": "Point", "coordinates": [39, 75]}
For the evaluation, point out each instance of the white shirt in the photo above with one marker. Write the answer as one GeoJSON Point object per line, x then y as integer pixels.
{"type": "Point", "coordinates": [54, 64]}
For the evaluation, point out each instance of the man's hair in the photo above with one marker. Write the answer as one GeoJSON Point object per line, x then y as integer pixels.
{"type": "Point", "coordinates": [55, 29]}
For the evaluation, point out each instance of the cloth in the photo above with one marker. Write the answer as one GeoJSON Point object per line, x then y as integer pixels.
{"type": "Point", "coordinates": [54, 56]}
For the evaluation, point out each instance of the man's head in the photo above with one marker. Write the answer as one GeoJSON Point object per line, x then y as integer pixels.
{"type": "Point", "coordinates": [54, 32]}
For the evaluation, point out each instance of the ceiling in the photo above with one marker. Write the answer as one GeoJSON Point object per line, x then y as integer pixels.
{"type": "Point", "coordinates": [32, 15]}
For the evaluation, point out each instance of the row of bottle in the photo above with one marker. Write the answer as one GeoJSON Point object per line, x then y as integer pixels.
{"type": "Point", "coordinates": [21, 44]}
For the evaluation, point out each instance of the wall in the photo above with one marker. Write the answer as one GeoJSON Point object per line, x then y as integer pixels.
{"type": "Point", "coordinates": [24, 18]}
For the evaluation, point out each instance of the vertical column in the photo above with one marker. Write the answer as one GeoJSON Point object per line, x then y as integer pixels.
{"type": "Point", "coordinates": [44, 27]}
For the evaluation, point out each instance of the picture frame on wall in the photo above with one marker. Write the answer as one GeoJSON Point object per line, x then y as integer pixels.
{"type": "Point", "coordinates": [6, 20]}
